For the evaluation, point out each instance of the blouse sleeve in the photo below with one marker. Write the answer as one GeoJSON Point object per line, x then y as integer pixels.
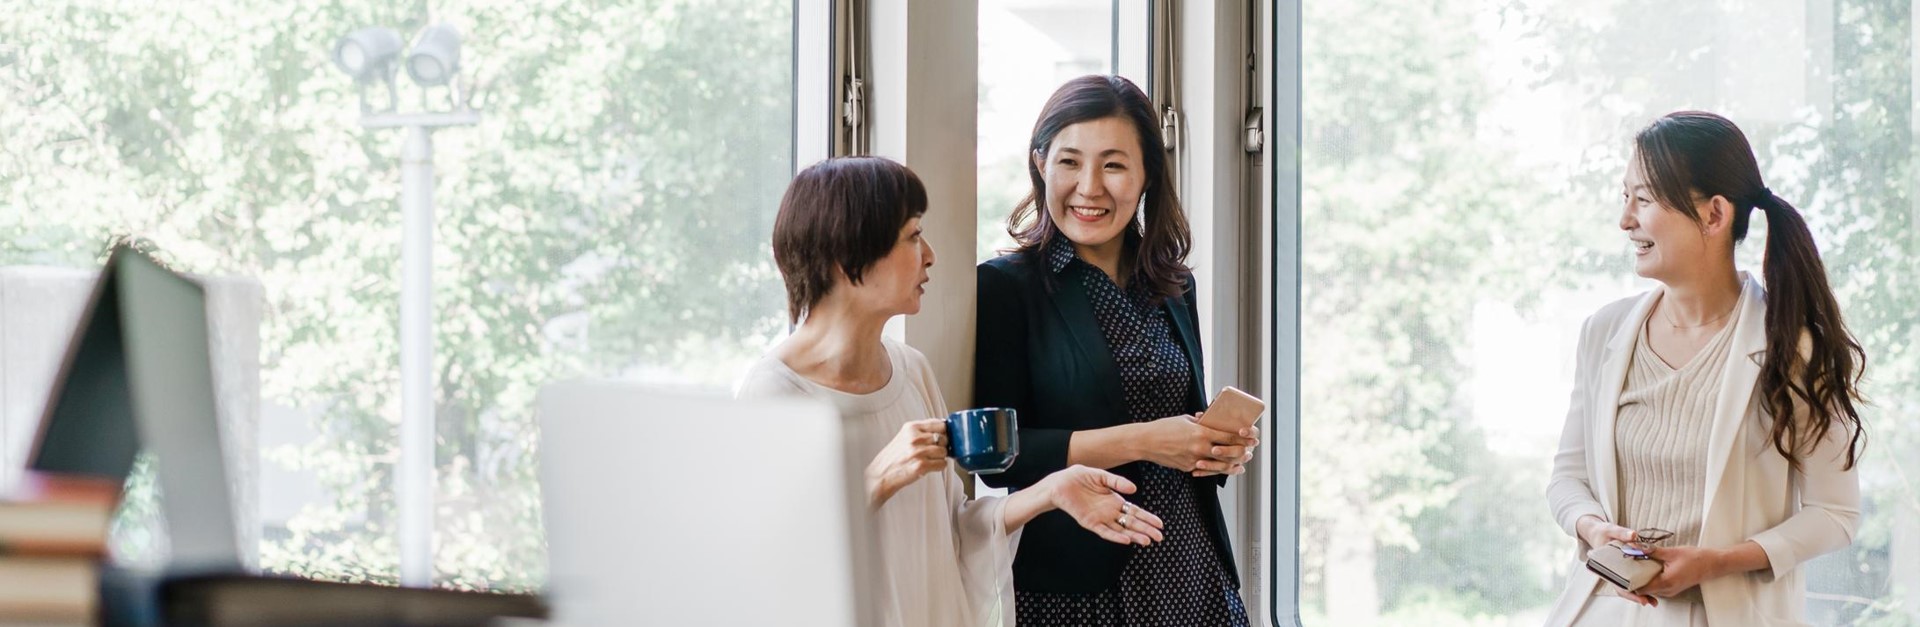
{"type": "Point", "coordinates": [986, 550]}
{"type": "Point", "coordinates": [982, 544]}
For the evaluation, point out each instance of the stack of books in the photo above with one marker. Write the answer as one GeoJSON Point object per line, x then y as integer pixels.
{"type": "Point", "coordinates": [53, 539]}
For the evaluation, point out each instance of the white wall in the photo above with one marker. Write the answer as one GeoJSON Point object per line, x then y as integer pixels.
{"type": "Point", "coordinates": [923, 110]}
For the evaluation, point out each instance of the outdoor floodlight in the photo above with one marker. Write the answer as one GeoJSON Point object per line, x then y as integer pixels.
{"type": "Point", "coordinates": [435, 57]}
{"type": "Point", "coordinates": [365, 54]}
{"type": "Point", "coordinates": [369, 56]}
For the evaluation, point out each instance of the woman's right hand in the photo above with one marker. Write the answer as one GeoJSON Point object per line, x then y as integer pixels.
{"type": "Point", "coordinates": [919, 448]}
{"type": "Point", "coordinates": [1597, 533]}
{"type": "Point", "coordinates": [1180, 443]}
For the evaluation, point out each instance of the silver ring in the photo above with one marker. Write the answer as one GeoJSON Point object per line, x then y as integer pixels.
{"type": "Point", "coordinates": [1123, 520]}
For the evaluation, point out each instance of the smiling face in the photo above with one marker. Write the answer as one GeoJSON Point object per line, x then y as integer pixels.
{"type": "Point", "coordinates": [1667, 245]}
{"type": "Point", "coordinates": [1094, 177]}
{"type": "Point", "coordinates": [895, 283]}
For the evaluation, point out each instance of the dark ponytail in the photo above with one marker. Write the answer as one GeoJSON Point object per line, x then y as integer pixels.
{"type": "Point", "coordinates": [1826, 376]}
{"type": "Point", "coordinates": [1689, 155]}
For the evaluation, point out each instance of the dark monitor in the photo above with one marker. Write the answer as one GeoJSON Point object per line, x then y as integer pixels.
{"type": "Point", "coordinates": [88, 428]}
{"type": "Point", "coordinates": [139, 374]}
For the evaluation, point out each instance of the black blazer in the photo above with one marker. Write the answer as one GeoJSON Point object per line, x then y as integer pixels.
{"type": "Point", "coordinates": [1042, 353]}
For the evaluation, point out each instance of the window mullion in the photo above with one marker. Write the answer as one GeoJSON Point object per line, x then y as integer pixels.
{"type": "Point", "coordinates": [1283, 245]}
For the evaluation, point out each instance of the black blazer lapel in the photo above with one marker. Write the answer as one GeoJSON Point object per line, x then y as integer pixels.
{"type": "Point", "coordinates": [1076, 309]}
{"type": "Point", "coordinates": [1189, 338]}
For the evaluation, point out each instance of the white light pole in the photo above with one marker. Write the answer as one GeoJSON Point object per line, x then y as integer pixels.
{"type": "Point", "coordinates": [367, 54]}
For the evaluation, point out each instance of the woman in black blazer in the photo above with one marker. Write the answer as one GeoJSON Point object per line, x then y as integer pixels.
{"type": "Point", "coordinates": [1089, 329]}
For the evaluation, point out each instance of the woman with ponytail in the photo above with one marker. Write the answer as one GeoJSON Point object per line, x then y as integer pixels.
{"type": "Point", "coordinates": [1712, 411]}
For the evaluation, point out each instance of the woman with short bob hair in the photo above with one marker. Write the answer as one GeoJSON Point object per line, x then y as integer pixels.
{"type": "Point", "coordinates": [1090, 329]}
{"type": "Point", "coordinates": [1712, 426]}
{"type": "Point", "coordinates": [848, 243]}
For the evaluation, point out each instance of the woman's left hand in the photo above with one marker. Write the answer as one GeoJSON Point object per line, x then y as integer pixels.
{"type": "Point", "coordinates": [1682, 567]}
{"type": "Point", "coordinates": [1092, 497]}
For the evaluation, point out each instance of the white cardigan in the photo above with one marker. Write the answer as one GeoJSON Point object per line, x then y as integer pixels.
{"type": "Point", "coordinates": [1751, 494]}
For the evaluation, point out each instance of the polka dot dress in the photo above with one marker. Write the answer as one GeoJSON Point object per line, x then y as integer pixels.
{"type": "Point", "coordinates": [1179, 581]}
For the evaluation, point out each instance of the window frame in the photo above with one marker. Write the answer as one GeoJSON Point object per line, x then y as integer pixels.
{"type": "Point", "coordinates": [1243, 208]}
{"type": "Point", "coordinates": [1284, 47]}
{"type": "Point", "coordinates": [815, 92]}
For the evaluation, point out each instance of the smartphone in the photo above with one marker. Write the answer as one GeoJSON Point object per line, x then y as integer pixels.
{"type": "Point", "coordinates": [1232, 410]}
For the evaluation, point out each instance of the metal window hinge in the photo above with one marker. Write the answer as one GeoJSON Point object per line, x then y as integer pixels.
{"type": "Point", "coordinates": [1255, 128]}
{"type": "Point", "coordinates": [854, 110]}
{"type": "Point", "coordinates": [1170, 128]}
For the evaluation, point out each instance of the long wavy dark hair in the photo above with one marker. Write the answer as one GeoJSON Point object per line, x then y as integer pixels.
{"type": "Point", "coordinates": [1158, 239]}
{"type": "Point", "coordinates": [1694, 154]}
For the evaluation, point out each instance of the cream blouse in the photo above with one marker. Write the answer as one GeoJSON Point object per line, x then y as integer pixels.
{"type": "Point", "coordinates": [948, 560]}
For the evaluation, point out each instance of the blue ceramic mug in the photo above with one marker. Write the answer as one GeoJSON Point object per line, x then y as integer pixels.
{"type": "Point", "coordinates": [983, 441]}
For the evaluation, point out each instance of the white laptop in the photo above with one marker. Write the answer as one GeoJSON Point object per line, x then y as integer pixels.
{"type": "Point", "coordinates": [665, 508]}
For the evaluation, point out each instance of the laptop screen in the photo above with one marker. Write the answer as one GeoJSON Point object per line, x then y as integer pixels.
{"type": "Point", "coordinates": [140, 375]}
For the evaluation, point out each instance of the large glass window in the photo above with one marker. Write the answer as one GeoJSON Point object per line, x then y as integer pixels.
{"type": "Point", "coordinates": [1028, 48]}
{"type": "Point", "coordinates": [609, 217]}
{"type": "Point", "coordinates": [1461, 168]}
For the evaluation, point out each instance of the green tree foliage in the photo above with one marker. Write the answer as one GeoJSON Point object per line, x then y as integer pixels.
{"type": "Point", "coordinates": [608, 218]}
{"type": "Point", "coordinates": [1410, 219]}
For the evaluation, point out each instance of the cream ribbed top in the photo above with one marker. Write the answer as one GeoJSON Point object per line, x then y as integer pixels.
{"type": "Point", "coordinates": [1660, 437]}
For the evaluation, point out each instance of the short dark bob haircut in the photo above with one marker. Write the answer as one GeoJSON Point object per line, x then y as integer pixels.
{"type": "Point", "coordinates": [841, 215]}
